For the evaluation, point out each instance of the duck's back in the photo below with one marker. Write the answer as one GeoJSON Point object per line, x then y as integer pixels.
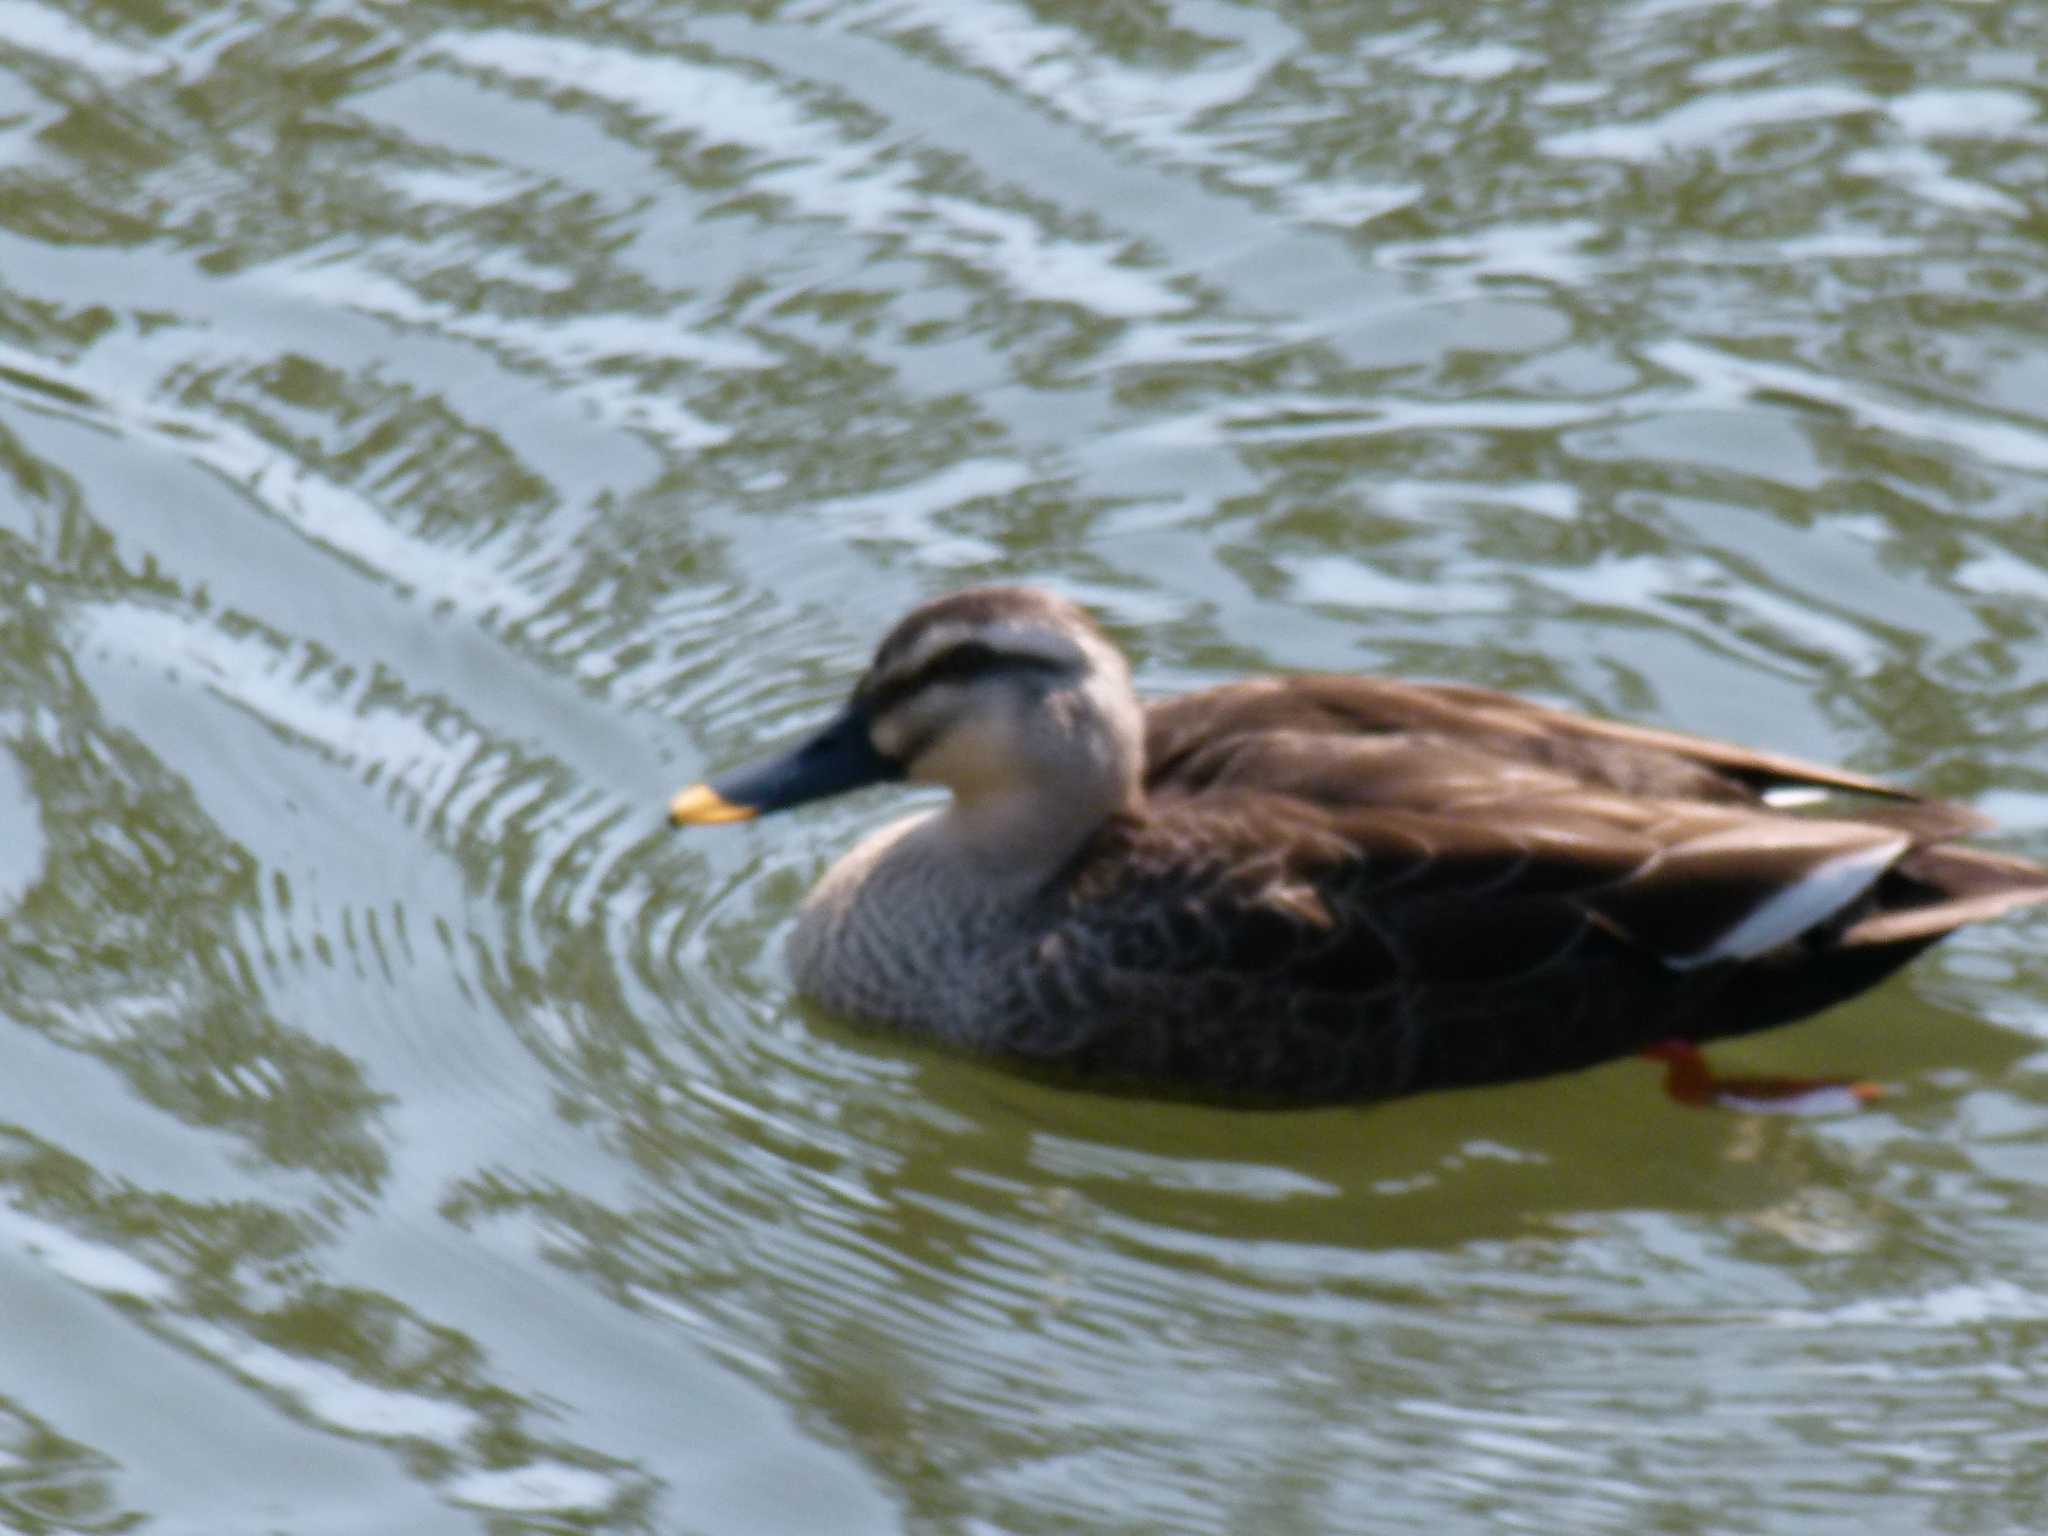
{"type": "Point", "coordinates": [1197, 741]}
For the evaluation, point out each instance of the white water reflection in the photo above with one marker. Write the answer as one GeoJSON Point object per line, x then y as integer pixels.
{"type": "Point", "coordinates": [827, 168]}
{"type": "Point", "coordinates": [1710, 121]}
{"type": "Point", "coordinates": [1722, 377]}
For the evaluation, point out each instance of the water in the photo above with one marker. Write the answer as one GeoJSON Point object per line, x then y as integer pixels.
{"type": "Point", "coordinates": [431, 434]}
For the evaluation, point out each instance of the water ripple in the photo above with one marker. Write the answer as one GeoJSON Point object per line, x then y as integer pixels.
{"type": "Point", "coordinates": [427, 438]}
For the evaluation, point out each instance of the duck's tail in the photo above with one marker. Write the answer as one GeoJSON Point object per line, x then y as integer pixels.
{"type": "Point", "coordinates": [1935, 889]}
{"type": "Point", "coordinates": [1930, 892]}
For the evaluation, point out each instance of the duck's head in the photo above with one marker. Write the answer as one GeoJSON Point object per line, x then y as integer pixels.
{"type": "Point", "coordinates": [1010, 697]}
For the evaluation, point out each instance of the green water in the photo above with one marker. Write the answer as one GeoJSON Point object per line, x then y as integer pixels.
{"type": "Point", "coordinates": [430, 434]}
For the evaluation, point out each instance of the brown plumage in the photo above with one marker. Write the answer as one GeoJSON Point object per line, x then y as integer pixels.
{"type": "Point", "coordinates": [1316, 888]}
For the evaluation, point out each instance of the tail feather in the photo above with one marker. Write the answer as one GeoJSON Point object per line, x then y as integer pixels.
{"type": "Point", "coordinates": [1934, 890]}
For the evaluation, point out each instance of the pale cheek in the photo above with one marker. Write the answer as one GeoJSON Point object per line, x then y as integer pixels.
{"type": "Point", "coordinates": [969, 765]}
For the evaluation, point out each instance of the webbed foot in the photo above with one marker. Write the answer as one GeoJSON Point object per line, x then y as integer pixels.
{"type": "Point", "coordinates": [1690, 1080]}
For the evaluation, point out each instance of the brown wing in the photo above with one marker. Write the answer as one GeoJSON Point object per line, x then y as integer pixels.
{"type": "Point", "coordinates": [1253, 940]}
{"type": "Point", "coordinates": [1189, 738]}
{"type": "Point", "coordinates": [1684, 884]}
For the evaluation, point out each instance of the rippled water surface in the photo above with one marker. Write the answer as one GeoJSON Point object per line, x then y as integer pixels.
{"type": "Point", "coordinates": [431, 433]}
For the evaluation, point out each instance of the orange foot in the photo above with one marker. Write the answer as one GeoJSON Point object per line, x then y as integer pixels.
{"type": "Point", "coordinates": [1689, 1080]}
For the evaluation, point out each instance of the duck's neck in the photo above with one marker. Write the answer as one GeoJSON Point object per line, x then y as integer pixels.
{"type": "Point", "coordinates": [1017, 841]}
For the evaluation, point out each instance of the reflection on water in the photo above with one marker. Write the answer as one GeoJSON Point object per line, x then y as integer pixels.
{"type": "Point", "coordinates": [430, 434]}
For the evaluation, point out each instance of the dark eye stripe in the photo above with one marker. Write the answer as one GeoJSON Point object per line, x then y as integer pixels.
{"type": "Point", "coordinates": [960, 663]}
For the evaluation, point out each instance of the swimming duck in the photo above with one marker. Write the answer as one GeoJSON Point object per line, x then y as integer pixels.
{"type": "Point", "coordinates": [1315, 888]}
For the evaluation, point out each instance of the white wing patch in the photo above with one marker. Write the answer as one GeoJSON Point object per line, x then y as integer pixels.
{"type": "Point", "coordinates": [1817, 895]}
{"type": "Point", "coordinates": [1785, 797]}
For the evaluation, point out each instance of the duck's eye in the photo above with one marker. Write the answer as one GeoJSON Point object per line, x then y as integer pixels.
{"type": "Point", "coordinates": [971, 660]}
{"type": "Point", "coordinates": [962, 663]}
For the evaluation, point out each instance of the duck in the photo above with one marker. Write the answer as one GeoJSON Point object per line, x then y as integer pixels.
{"type": "Point", "coordinates": [1312, 888]}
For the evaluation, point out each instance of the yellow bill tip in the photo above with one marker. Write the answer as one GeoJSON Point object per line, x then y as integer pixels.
{"type": "Point", "coordinates": [702, 806]}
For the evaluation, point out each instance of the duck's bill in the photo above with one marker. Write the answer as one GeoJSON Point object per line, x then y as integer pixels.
{"type": "Point", "coordinates": [841, 757]}
{"type": "Point", "coordinates": [702, 806]}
